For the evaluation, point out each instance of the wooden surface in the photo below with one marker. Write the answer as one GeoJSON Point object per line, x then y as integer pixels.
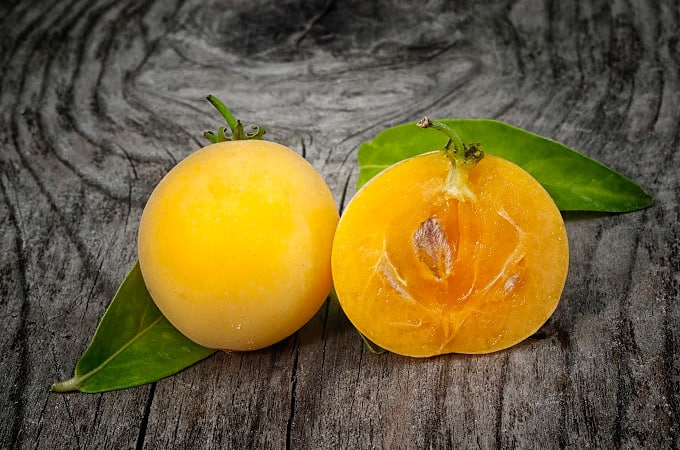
{"type": "Point", "coordinates": [100, 98]}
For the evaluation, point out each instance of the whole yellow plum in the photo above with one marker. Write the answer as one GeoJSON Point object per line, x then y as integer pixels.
{"type": "Point", "coordinates": [235, 242]}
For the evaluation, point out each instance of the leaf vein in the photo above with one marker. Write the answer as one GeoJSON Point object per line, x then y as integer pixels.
{"type": "Point", "coordinates": [78, 379]}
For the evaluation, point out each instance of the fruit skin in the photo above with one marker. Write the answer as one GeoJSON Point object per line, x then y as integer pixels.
{"type": "Point", "coordinates": [423, 266]}
{"type": "Point", "coordinates": [234, 244]}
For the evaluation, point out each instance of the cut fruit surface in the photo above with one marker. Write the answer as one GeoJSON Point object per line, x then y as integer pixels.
{"type": "Point", "coordinates": [422, 267]}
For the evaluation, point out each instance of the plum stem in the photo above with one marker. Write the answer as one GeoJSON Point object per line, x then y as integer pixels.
{"type": "Point", "coordinates": [462, 157]}
{"type": "Point", "coordinates": [465, 154]}
{"type": "Point", "coordinates": [236, 127]}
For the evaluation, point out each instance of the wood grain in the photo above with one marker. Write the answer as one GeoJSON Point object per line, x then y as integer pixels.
{"type": "Point", "coordinates": [100, 98]}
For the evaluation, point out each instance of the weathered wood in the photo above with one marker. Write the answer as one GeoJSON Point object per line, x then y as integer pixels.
{"type": "Point", "coordinates": [100, 98]}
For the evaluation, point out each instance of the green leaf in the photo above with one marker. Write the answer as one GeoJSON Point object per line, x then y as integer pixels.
{"type": "Point", "coordinates": [134, 344]}
{"type": "Point", "coordinates": [575, 181]}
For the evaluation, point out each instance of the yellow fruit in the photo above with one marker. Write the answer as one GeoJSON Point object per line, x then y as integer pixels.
{"type": "Point", "coordinates": [234, 244]}
{"type": "Point", "coordinates": [432, 257]}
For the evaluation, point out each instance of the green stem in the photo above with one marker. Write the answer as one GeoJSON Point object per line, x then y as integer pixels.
{"type": "Point", "coordinates": [72, 384]}
{"type": "Point", "coordinates": [236, 127]}
{"type": "Point", "coordinates": [466, 155]}
{"type": "Point", "coordinates": [462, 157]}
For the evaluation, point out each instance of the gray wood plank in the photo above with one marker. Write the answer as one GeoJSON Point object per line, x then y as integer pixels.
{"type": "Point", "coordinates": [100, 98]}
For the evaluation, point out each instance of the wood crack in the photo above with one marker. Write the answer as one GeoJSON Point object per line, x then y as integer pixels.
{"type": "Point", "coordinates": [293, 390]}
{"type": "Point", "coordinates": [500, 431]}
{"type": "Point", "coordinates": [20, 344]}
{"type": "Point", "coordinates": [312, 22]}
{"type": "Point", "coordinates": [144, 424]}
